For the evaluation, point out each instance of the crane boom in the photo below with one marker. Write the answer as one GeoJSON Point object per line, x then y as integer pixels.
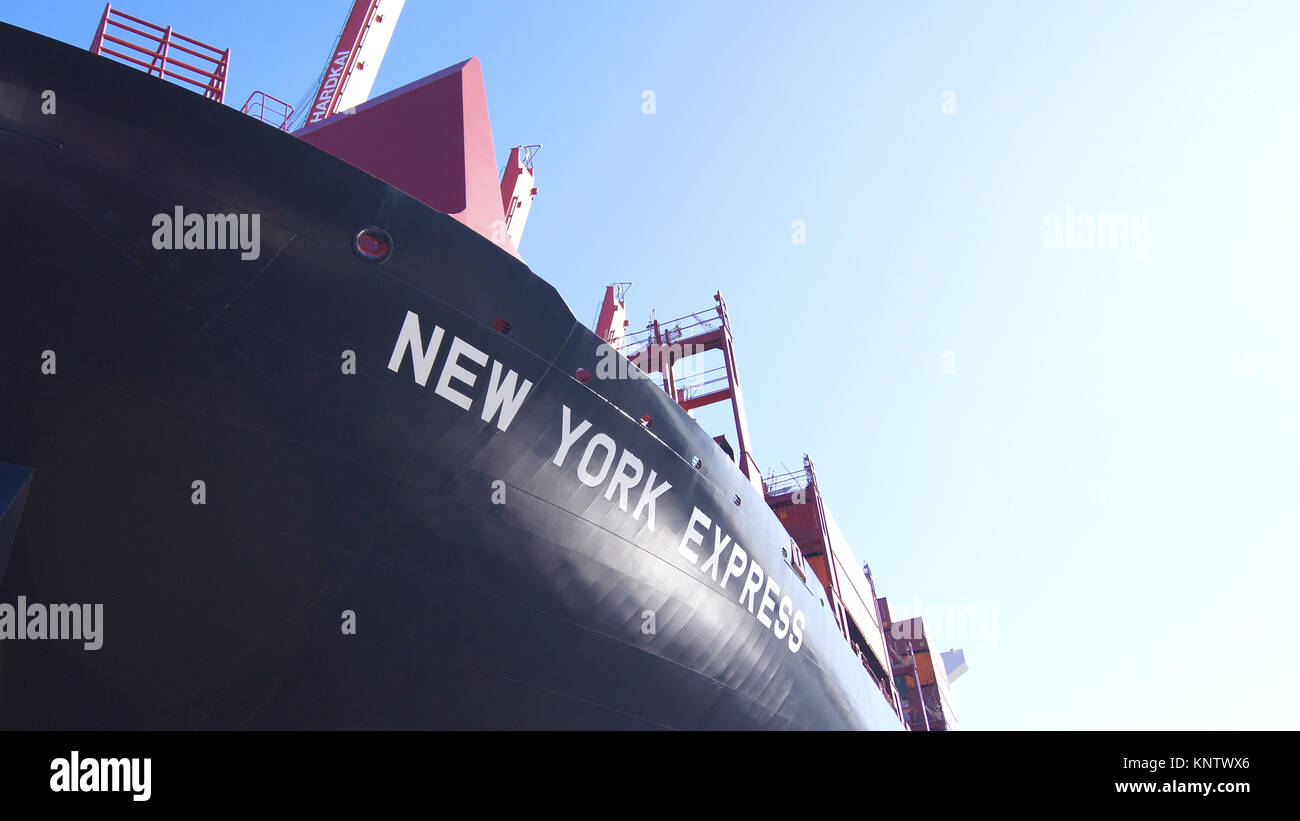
{"type": "Point", "coordinates": [350, 73]}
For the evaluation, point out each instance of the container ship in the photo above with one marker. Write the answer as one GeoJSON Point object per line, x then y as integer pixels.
{"type": "Point", "coordinates": [292, 438]}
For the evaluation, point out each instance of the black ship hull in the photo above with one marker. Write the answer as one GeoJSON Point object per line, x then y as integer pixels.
{"type": "Point", "coordinates": [368, 552]}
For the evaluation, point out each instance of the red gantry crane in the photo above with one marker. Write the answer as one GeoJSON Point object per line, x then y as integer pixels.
{"type": "Point", "coordinates": [350, 74]}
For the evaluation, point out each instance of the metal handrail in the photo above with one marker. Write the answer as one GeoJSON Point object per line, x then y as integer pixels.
{"type": "Point", "coordinates": [778, 484]}
{"type": "Point", "coordinates": [696, 383]}
{"type": "Point", "coordinates": [699, 322]}
{"type": "Point", "coordinates": [160, 60]}
{"type": "Point", "coordinates": [259, 98]}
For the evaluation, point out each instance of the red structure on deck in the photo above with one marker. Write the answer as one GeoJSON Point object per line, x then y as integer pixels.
{"type": "Point", "coordinates": [920, 675]}
{"type": "Point", "coordinates": [611, 321]}
{"type": "Point", "coordinates": [436, 145]}
{"type": "Point", "coordinates": [268, 109]}
{"type": "Point", "coordinates": [350, 73]}
{"type": "Point", "coordinates": [431, 138]}
{"type": "Point", "coordinates": [797, 502]}
{"type": "Point", "coordinates": [816, 543]}
{"type": "Point", "coordinates": [518, 190]}
{"type": "Point", "coordinates": [796, 499]}
{"type": "Point", "coordinates": [169, 55]}
{"type": "Point", "coordinates": [662, 344]}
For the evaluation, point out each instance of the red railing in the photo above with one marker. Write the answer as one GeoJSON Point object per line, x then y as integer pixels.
{"type": "Point", "coordinates": [682, 327]}
{"type": "Point", "coordinates": [157, 49]}
{"type": "Point", "coordinates": [775, 484]}
{"type": "Point", "coordinates": [268, 109]}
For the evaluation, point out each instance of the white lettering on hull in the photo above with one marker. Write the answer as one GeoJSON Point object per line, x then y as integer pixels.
{"type": "Point", "coordinates": [626, 477]}
{"type": "Point", "coordinates": [741, 565]}
{"type": "Point", "coordinates": [598, 459]}
{"type": "Point", "coordinates": [503, 397]}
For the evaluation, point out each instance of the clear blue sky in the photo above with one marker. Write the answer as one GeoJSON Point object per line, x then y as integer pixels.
{"type": "Point", "coordinates": [1171, 381]}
